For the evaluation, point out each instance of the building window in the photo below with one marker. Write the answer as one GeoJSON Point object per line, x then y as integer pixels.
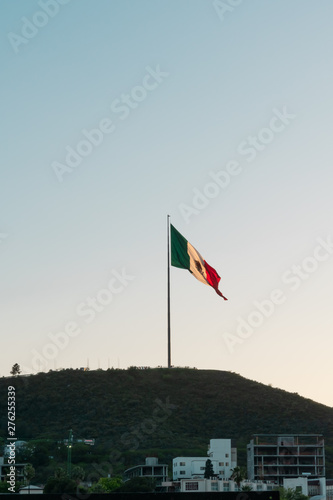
{"type": "Point", "coordinates": [175, 464]}
{"type": "Point", "coordinates": [227, 463]}
{"type": "Point", "coordinates": [193, 486]}
{"type": "Point", "coordinates": [227, 455]}
{"type": "Point", "coordinates": [182, 472]}
{"type": "Point", "coordinates": [214, 486]}
{"type": "Point", "coordinates": [221, 472]}
{"type": "Point", "coordinates": [221, 463]}
{"type": "Point", "coordinates": [202, 468]}
{"type": "Point", "coordinates": [182, 463]}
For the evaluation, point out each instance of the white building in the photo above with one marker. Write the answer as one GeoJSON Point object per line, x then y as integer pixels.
{"type": "Point", "coordinates": [36, 490]}
{"type": "Point", "coordinates": [203, 485]}
{"type": "Point", "coordinates": [307, 486]}
{"type": "Point", "coordinates": [329, 489]}
{"type": "Point", "coordinates": [222, 455]}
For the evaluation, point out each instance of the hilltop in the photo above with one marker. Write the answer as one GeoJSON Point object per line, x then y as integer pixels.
{"type": "Point", "coordinates": [168, 412]}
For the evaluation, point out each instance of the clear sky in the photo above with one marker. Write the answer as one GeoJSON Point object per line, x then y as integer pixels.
{"type": "Point", "coordinates": [116, 113]}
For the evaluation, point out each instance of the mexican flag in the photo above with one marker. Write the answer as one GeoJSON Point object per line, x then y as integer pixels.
{"type": "Point", "coordinates": [185, 256]}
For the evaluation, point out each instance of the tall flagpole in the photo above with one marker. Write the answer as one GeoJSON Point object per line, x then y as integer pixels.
{"type": "Point", "coordinates": [169, 329]}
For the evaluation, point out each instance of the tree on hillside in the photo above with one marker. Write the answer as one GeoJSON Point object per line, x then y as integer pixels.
{"type": "Point", "coordinates": [209, 470]}
{"type": "Point", "coordinates": [81, 453]}
{"type": "Point", "coordinates": [138, 485]}
{"type": "Point", "coordinates": [16, 369]}
{"type": "Point", "coordinates": [107, 484]}
{"type": "Point", "coordinates": [29, 473]}
{"type": "Point", "coordinates": [60, 473]}
{"type": "Point", "coordinates": [97, 488]}
{"type": "Point", "coordinates": [77, 474]}
{"type": "Point", "coordinates": [34, 452]}
{"type": "Point", "coordinates": [4, 488]}
{"type": "Point", "coordinates": [60, 482]}
{"type": "Point", "coordinates": [63, 485]}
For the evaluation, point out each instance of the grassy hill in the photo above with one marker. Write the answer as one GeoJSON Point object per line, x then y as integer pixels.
{"type": "Point", "coordinates": [168, 412]}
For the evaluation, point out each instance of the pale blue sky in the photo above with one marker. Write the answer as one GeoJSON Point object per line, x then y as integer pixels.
{"type": "Point", "coordinates": [220, 84]}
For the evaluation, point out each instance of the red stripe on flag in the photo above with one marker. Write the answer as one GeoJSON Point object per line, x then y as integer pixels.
{"type": "Point", "coordinates": [213, 279]}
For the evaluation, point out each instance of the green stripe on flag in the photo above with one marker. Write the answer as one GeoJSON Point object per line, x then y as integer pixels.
{"type": "Point", "coordinates": [179, 256]}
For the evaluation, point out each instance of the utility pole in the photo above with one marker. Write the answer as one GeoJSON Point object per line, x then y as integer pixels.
{"type": "Point", "coordinates": [168, 298]}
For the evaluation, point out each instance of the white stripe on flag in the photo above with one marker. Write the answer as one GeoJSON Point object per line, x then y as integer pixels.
{"type": "Point", "coordinates": [197, 266]}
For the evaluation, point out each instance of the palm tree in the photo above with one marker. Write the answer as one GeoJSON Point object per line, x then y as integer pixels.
{"type": "Point", "coordinates": [238, 475]}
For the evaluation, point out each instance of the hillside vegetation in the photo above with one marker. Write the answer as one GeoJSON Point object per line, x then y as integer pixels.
{"type": "Point", "coordinates": [166, 412]}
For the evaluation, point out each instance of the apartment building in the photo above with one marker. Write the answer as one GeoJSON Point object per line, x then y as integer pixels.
{"type": "Point", "coordinates": [273, 457]}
